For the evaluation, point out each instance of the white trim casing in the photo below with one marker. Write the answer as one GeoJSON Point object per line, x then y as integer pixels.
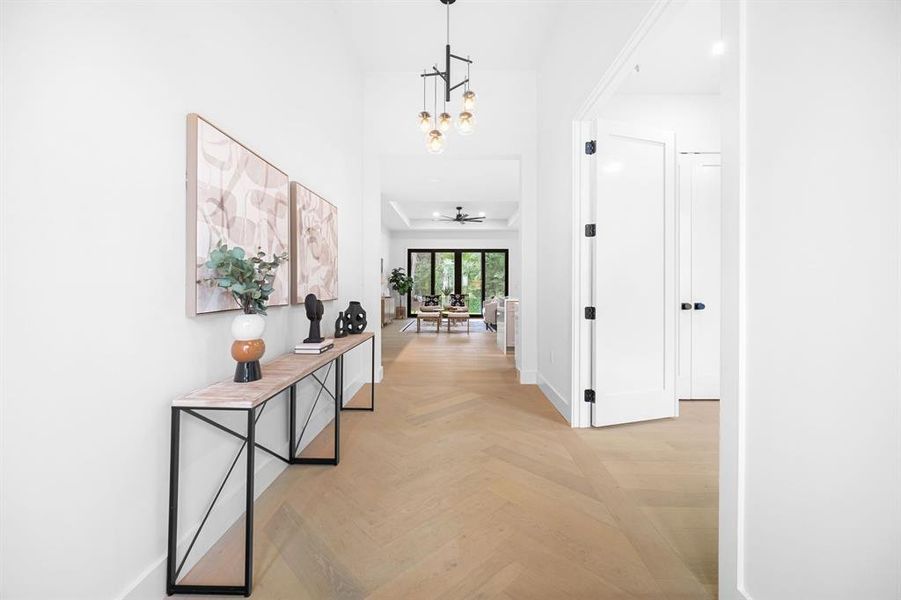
{"type": "Point", "coordinates": [733, 336]}
{"type": "Point", "coordinates": [554, 397]}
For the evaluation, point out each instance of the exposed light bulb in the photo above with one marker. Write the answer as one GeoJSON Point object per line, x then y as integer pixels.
{"type": "Point", "coordinates": [718, 48]}
{"type": "Point", "coordinates": [435, 143]}
{"type": "Point", "coordinates": [469, 100]}
{"type": "Point", "coordinates": [444, 121]}
{"type": "Point", "coordinates": [425, 121]}
{"type": "Point", "coordinates": [466, 123]}
{"type": "Point", "coordinates": [436, 214]}
{"type": "Point", "coordinates": [482, 213]}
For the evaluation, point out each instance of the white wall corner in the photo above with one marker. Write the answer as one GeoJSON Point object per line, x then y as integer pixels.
{"type": "Point", "coordinates": [528, 377]}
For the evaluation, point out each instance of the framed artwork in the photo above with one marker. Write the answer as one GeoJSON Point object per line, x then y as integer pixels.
{"type": "Point", "coordinates": [314, 252]}
{"type": "Point", "coordinates": [237, 197]}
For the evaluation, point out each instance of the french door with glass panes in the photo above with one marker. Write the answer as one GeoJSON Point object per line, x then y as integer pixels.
{"type": "Point", "coordinates": [478, 273]}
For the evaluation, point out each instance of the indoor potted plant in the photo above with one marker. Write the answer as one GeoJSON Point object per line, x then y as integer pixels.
{"type": "Point", "coordinates": [402, 284]}
{"type": "Point", "coordinates": [250, 282]}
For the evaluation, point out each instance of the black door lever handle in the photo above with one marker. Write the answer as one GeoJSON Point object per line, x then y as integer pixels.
{"type": "Point", "coordinates": [699, 306]}
{"type": "Point", "coordinates": [686, 306]}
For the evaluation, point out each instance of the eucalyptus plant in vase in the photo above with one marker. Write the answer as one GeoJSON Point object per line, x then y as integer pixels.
{"type": "Point", "coordinates": [250, 282]}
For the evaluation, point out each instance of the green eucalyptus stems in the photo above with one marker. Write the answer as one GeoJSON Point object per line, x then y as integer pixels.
{"type": "Point", "coordinates": [249, 280]}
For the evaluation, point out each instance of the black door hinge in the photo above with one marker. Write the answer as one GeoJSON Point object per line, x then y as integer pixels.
{"type": "Point", "coordinates": [591, 146]}
{"type": "Point", "coordinates": [589, 396]}
{"type": "Point", "coordinates": [589, 313]}
{"type": "Point", "coordinates": [590, 230]}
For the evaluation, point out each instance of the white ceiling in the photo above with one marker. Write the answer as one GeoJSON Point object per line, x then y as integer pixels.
{"type": "Point", "coordinates": [392, 35]}
{"type": "Point", "coordinates": [415, 187]}
{"type": "Point", "coordinates": [676, 56]}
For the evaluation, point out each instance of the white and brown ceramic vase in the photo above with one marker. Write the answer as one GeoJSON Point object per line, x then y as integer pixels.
{"type": "Point", "coordinates": [248, 347]}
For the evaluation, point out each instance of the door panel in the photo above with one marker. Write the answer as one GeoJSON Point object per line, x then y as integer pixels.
{"type": "Point", "coordinates": [705, 276]}
{"type": "Point", "coordinates": [634, 277]}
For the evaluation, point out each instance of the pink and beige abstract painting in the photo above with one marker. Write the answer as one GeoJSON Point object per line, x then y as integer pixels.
{"type": "Point", "coordinates": [315, 245]}
{"type": "Point", "coordinates": [237, 197]}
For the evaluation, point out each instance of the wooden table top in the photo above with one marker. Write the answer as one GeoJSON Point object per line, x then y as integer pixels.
{"type": "Point", "coordinates": [277, 375]}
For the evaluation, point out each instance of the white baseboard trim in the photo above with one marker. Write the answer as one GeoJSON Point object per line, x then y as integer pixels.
{"type": "Point", "coordinates": [555, 398]}
{"type": "Point", "coordinates": [528, 377]}
{"type": "Point", "coordinates": [151, 583]}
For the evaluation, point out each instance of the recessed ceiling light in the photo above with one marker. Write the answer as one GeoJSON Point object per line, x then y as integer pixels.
{"type": "Point", "coordinates": [482, 214]}
{"type": "Point", "coordinates": [718, 48]}
{"type": "Point", "coordinates": [436, 214]}
{"type": "Point", "coordinates": [434, 180]}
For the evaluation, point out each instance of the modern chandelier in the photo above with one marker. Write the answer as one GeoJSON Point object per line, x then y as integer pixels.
{"type": "Point", "coordinates": [435, 125]}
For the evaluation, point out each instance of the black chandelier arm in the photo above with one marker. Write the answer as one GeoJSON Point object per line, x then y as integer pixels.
{"type": "Point", "coordinates": [436, 73]}
{"type": "Point", "coordinates": [466, 60]}
{"type": "Point", "coordinates": [464, 82]}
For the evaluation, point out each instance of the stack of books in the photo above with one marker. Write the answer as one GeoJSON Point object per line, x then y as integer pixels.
{"type": "Point", "coordinates": [314, 348]}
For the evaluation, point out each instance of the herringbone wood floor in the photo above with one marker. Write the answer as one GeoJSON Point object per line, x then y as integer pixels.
{"type": "Point", "coordinates": [464, 484]}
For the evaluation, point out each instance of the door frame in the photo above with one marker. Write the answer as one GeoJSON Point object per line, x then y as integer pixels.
{"type": "Point", "coordinates": [458, 271]}
{"type": "Point", "coordinates": [733, 336]}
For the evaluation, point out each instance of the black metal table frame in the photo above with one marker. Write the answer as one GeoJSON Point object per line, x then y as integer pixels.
{"type": "Point", "coordinates": [173, 566]}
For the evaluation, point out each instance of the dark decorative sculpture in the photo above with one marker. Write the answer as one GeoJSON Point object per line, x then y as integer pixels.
{"type": "Point", "coordinates": [339, 325]}
{"type": "Point", "coordinates": [314, 314]}
{"type": "Point", "coordinates": [355, 318]}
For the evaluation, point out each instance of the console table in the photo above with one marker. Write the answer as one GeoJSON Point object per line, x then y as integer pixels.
{"type": "Point", "coordinates": [279, 375]}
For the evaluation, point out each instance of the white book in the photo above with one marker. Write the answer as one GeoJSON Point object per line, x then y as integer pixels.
{"type": "Point", "coordinates": [324, 344]}
{"type": "Point", "coordinates": [314, 352]}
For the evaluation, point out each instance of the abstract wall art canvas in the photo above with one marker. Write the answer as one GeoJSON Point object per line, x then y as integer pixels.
{"type": "Point", "coordinates": [236, 197]}
{"type": "Point", "coordinates": [314, 256]}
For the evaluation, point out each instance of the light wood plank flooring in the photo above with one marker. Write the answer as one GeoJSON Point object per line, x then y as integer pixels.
{"type": "Point", "coordinates": [464, 484]}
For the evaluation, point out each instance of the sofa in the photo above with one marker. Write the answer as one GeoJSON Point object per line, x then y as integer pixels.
{"type": "Point", "coordinates": [489, 313]}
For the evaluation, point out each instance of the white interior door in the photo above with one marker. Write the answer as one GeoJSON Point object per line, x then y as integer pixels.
{"type": "Point", "coordinates": [634, 275]}
{"type": "Point", "coordinates": [698, 364]}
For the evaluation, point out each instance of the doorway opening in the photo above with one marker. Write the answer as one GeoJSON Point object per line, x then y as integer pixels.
{"type": "Point", "coordinates": [650, 185]}
{"type": "Point", "coordinates": [647, 362]}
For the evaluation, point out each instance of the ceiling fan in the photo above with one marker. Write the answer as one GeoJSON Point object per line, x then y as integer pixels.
{"type": "Point", "coordinates": [461, 217]}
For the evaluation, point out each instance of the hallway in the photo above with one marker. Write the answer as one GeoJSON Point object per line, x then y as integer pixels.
{"type": "Point", "coordinates": [464, 484]}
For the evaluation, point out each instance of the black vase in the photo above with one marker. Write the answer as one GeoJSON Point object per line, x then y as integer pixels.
{"type": "Point", "coordinates": [354, 318]}
{"type": "Point", "coordinates": [340, 323]}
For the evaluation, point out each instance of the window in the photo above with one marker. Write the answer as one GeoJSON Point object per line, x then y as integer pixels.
{"type": "Point", "coordinates": [444, 273]}
{"type": "Point", "coordinates": [420, 268]}
{"type": "Point", "coordinates": [495, 274]}
{"type": "Point", "coordinates": [480, 274]}
{"type": "Point", "coordinates": [472, 280]}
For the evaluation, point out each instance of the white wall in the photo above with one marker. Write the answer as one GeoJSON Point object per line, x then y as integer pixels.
{"type": "Point", "coordinates": [500, 240]}
{"type": "Point", "coordinates": [95, 340]}
{"type": "Point", "coordinates": [811, 417]}
{"type": "Point", "coordinates": [506, 129]}
{"type": "Point", "coordinates": [385, 256]}
{"type": "Point", "coordinates": [581, 46]}
{"type": "Point", "coordinates": [695, 118]}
